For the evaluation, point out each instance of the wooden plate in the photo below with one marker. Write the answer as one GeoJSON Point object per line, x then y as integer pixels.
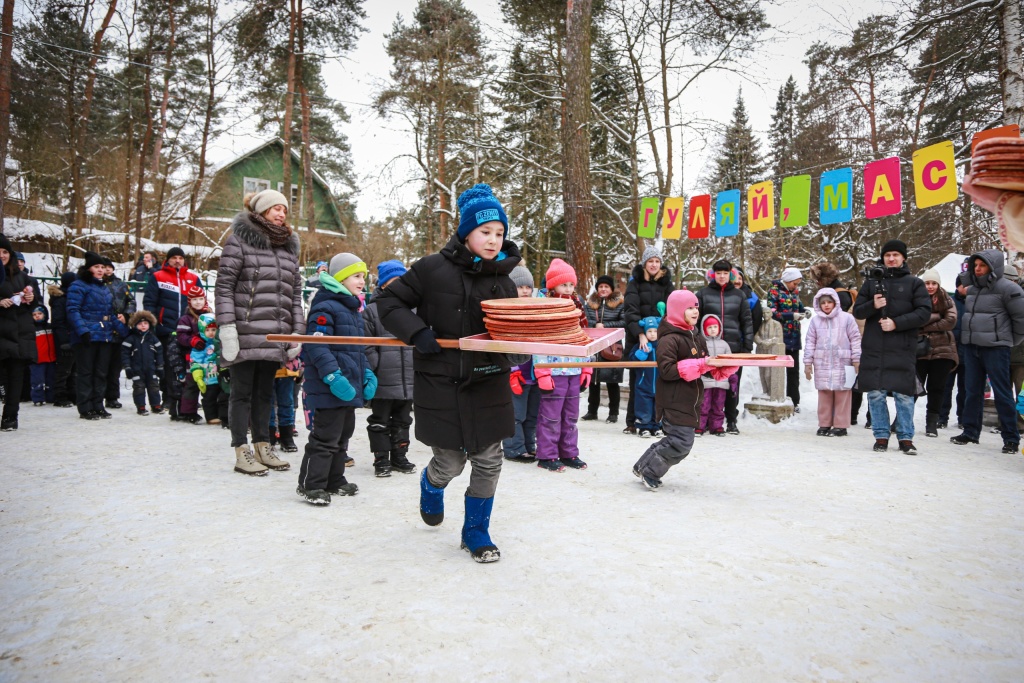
{"type": "Point", "coordinates": [747, 356]}
{"type": "Point", "coordinates": [521, 304]}
{"type": "Point", "coordinates": [530, 319]}
{"type": "Point", "coordinates": [989, 144]}
{"type": "Point", "coordinates": [1015, 184]}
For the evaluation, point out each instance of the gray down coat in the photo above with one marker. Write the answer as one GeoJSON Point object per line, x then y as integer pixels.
{"type": "Point", "coordinates": [391, 364]}
{"type": "Point", "coordinates": [259, 290]}
{"type": "Point", "coordinates": [994, 309]}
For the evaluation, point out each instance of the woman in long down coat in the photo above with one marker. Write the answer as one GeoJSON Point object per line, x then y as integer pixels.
{"type": "Point", "coordinates": [259, 292]}
{"type": "Point", "coordinates": [17, 332]}
{"type": "Point", "coordinates": [605, 308]}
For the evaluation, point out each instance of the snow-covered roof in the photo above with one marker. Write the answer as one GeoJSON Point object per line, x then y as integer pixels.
{"type": "Point", "coordinates": [20, 229]}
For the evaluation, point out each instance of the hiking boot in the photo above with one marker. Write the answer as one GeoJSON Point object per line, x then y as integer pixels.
{"type": "Point", "coordinates": [113, 403]}
{"type": "Point", "coordinates": [346, 489]}
{"type": "Point", "coordinates": [962, 439]}
{"type": "Point", "coordinates": [314, 496]}
{"type": "Point", "coordinates": [104, 415]}
{"type": "Point", "coordinates": [630, 429]}
{"type": "Point", "coordinates": [141, 410]}
{"type": "Point", "coordinates": [574, 463]}
{"type": "Point", "coordinates": [838, 432]}
{"type": "Point", "coordinates": [907, 447]}
{"type": "Point", "coordinates": [9, 425]}
{"type": "Point", "coordinates": [245, 463]}
{"type": "Point", "coordinates": [286, 440]}
{"type": "Point", "coordinates": [382, 464]}
{"type": "Point", "coordinates": [731, 427]}
{"type": "Point", "coordinates": [881, 445]}
{"type": "Point", "coordinates": [824, 431]}
{"type": "Point", "coordinates": [931, 424]}
{"type": "Point", "coordinates": [266, 456]}
{"type": "Point", "coordinates": [551, 465]}
{"type": "Point", "coordinates": [611, 419]}
{"type": "Point", "coordinates": [158, 409]}
{"type": "Point", "coordinates": [589, 416]}
{"type": "Point", "coordinates": [1010, 446]}
{"type": "Point", "coordinates": [350, 462]}
{"type": "Point", "coordinates": [400, 463]}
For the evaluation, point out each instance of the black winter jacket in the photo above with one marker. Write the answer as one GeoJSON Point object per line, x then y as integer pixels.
{"type": "Point", "coordinates": [889, 359]}
{"type": "Point", "coordinates": [733, 309]}
{"type": "Point", "coordinates": [142, 355]}
{"type": "Point", "coordinates": [391, 364]}
{"type": "Point", "coordinates": [643, 294]}
{"type": "Point", "coordinates": [461, 399]}
{"type": "Point", "coordinates": [17, 331]}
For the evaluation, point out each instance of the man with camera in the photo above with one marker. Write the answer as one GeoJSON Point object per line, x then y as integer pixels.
{"type": "Point", "coordinates": [894, 304]}
{"type": "Point", "coordinates": [992, 325]}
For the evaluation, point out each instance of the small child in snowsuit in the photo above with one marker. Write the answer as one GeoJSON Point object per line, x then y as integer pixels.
{"type": "Point", "coordinates": [190, 340]}
{"type": "Point", "coordinates": [282, 406]}
{"type": "Point", "coordinates": [682, 359]}
{"type": "Point", "coordinates": [204, 370]}
{"type": "Point", "coordinates": [142, 357]}
{"type": "Point", "coordinates": [388, 424]}
{"type": "Point", "coordinates": [522, 446]}
{"type": "Point", "coordinates": [832, 345]}
{"type": "Point", "coordinates": [557, 436]}
{"type": "Point", "coordinates": [337, 381]}
{"type": "Point", "coordinates": [646, 424]}
{"type": "Point", "coordinates": [43, 372]}
{"type": "Point", "coordinates": [712, 409]}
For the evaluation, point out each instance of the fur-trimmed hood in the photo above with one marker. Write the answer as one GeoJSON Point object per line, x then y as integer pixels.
{"type": "Point", "coordinates": [54, 290]}
{"type": "Point", "coordinates": [248, 232]}
{"type": "Point", "coordinates": [142, 315]}
{"type": "Point", "coordinates": [614, 300]}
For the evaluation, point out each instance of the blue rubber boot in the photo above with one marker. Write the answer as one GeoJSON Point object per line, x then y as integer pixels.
{"type": "Point", "coordinates": [431, 501]}
{"type": "Point", "coordinates": [475, 538]}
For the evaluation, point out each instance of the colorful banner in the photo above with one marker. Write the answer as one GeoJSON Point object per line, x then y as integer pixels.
{"type": "Point", "coordinates": [935, 175]}
{"type": "Point", "coordinates": [699, 224]}
{"type": "Point", "coordinates": [647, 224]}
{"type": "Point", "coordinates": [672, 218]}
{"type": "Point", "coordinates": [882, 188]}
{"type": "Point", "coordinates": [836, 196]}
{"type": "Point", "coordinates": [795, 205]}
{"type": "Point", "coordinates": [761, 206]}
{"type": "Point", "coordinates": [727, 213]}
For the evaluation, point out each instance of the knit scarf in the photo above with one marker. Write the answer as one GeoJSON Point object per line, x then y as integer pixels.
{"type": "Point", "coordinates": [277, 234]}
{"type": "Point", "coordinates": [577, 302]}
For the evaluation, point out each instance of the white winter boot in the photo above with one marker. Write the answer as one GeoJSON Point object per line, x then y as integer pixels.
{"type": "Point", "coordinates": [265, 455]}
{"type": "Point", "coordinates": [246, 464]}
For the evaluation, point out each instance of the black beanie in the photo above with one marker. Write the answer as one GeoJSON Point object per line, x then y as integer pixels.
{"type": "Point", "coordinates": [108, 262]}
{"type": "Point", "coordinates": [93, 259]}
{"type": "Point", "coordinates": [894, 245]}
{"type": "Point", "coordinates": [605, 280]}
{"type": "Point", "coordinates": [175, 251]}
{"type": "Point", "coordinates": [721, 265]}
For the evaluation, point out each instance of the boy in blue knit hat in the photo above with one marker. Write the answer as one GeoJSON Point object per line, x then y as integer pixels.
{"type": "Point", "coordinates": [463, 402]}
{"type": "Point", "coordinates": [646, 424]}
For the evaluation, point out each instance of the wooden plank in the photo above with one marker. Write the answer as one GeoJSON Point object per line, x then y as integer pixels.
{"type": "Point", "coordinates": [354, 341]}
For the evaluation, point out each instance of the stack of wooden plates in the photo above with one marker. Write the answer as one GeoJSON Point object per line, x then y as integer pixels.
{"type": "Point", "coordinates": [548, 321]}
{"type": "Point", "coordinates": [999, 163]}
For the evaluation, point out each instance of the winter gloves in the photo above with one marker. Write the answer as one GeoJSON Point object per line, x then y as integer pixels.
{"type": "Point", "coordinates": [425, 342]}
{"type": "Point", "coordinates": [515, 380]}
{"type": "Point", "coordinates": [294, 349]}
{"type": "Point", "coordinates": [720, 374]}
{"type": "Point", "coordinates": [197, 375]}
{"type": "Point", "coordinates": [340, 386]}
{"type": "Point", "coordinates": [229, 342]}
{"type": "Point", "coordinates": [691, 369]}
{"type": "Point", "coordinates": [198, 343]}
{"type": "Point", "coordinates": [369, 384]}
{"type": "Point", "coordinates": [544, 381]}
{"type": "Point", "coordinates": [585, 377]}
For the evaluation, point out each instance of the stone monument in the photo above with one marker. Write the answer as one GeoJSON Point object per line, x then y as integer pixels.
{"type": "Point", "coordinates": [772, 404]}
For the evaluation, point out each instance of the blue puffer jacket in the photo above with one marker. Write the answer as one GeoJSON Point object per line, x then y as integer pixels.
{"type": "Point", "coordinates": [334, 312]}
{"type": "Point", "coordinates": [91, 310]}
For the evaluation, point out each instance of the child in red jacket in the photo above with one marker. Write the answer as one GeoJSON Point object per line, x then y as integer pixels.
{"type": "Point", "coordinates": [43, 372]}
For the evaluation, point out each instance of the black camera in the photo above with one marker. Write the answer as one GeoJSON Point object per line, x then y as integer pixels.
{"type": "Point", "coordinates": [874, 273]}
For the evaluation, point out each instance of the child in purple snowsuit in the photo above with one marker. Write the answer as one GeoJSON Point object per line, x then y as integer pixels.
{"type": "Point", "coordinates": [712, 410]}
{"type": "Point", "coordinates": [560, 388]}
{"type": "Point", "coordinates": [646, 423]}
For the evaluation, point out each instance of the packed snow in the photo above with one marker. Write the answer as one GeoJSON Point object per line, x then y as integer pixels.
{"type": "Point", "coordinates": [130, 550]}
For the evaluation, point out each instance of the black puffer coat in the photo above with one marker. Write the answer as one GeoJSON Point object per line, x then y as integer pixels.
{"type": "Point", "coordinates": [612, 313]}
{"type": "Point", "coordinates": [17, 331]}
{"type": "Point", "coordinates": [643, 294]}
{"type": "Point", "coordinates": [889, 359]}
{"type": "Point", "coordinates": [391, 364]}
{"type": "Point", "coordinates": [462, 399]}
{"type": "Point", "coordinates": [733, 309]}
{"type": "Point", "coordinates": [59, 311]}
{"type": "Point", "coordinates": [259, 290]}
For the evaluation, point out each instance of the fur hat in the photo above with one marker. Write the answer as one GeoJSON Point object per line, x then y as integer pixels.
{"type": "Point", "coordinates": [894, 245]}
{"type": "Point", "coordinates": [93, 259]}
{"type": "Point", "coordinates": [477, 206]}
{"type": "Point", "coordinates": [262, 202]}
{"type": "Point", "coordinates": [175, 251]}
{"type": "Point", "coordinates": [790, 274]}
{"type": "Point", "coordinates": [606, 280]}
{"type": "Point", "coordinates": [678, 302]}
{"type": "Point", "coordinates": [389, 270]}
{"type": "Point", "coordinates": [708, 321]}
{"type": "Point", "coordinates": [559, 272]}
{"type": "Point", "coordinates": [521, 276]}
{"type": "Point", "coordinates": [141, 315]}
{"type": "Point", "coordinates": [649, 253]}
{"type": "Point", "coordinates": [344, 265]}
{"type": "Point", "coordinates": [823, 273]}
{"type": "Point", "coordinates": [932, 275]}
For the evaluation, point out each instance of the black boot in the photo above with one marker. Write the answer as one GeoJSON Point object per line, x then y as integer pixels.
{"type": "Point", "coordinates": [382, 464]}
{"type": "Point", "coordinates": [172, 409]}
{"type": "Point", "coordinates": [400, 462]}
{"type": "Point", "coordinates": [931, 424]}
{"type": "Point", "coordinates": [286, 440]}
{"type": "Point", "coordinates": [273, 436]}
{"type": "Point", "coordinates": [589, 416]}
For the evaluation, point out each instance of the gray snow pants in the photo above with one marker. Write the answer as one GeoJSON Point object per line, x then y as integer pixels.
{"type": "Point", "coordinates": [483, 479]}
{"type": "Point", "coordinates": [670, 450]}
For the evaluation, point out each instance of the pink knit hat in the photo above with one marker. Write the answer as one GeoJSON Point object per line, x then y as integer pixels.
{"type": "Point", "coordinates": [559, 272]}
{"type": "Point", "coordinates": [678, 302]}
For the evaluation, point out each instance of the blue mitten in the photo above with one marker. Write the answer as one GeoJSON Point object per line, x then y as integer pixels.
{"type": "Point", "coordinates": [369, 384]}
{"type": "Point", "coordinates": [340, 386]}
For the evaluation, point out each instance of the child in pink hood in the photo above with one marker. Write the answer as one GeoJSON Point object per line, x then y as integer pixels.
{"type": "Point", "coordinates": [832, 345]}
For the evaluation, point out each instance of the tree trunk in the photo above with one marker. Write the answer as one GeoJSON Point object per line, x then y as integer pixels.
{"type": "Point", "coordinates": [147, 137]}
{"type": "Point", "coordinates": [289, 105]}
{"type": "Point", "coordinates": [6, 46]}
{"type": "Point", "coordinates": [166, 97]}
{"type": "Point", "coordinates": [1011, 60]}
{"type": "Point", "coordinates": [211, 101]}
{"type": "Point", "coordinates": [579, 233]}
{"type": "Point", "coordinates": [81, 123]}
{"type": "Point", "coordinates": [442, 162]}
{"type": "Point", "coordinates": [307, 152]}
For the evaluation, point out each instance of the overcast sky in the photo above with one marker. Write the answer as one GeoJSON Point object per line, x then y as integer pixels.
{"type": "Point", "coordinates": [374, 142]}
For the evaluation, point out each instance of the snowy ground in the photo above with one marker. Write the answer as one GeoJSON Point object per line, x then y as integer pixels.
{"type": "Point", "coordinates": [130, 551]}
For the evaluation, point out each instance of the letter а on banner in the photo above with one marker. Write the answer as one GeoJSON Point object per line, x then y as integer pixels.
{"type": "Point", "coordinates": [882, 188]}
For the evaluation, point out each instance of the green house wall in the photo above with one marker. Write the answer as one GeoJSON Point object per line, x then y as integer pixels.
{"type": "Point", "coordinates": [227, 189]}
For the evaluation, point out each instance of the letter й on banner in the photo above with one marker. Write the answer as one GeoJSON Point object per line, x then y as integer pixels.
{"type": "Point", "coordinates": [699, 225]}
{"type": "Point", "coordinates": [935, 175]}
{"type": "Point", "coordinates": [882, 188]}
{"type": "Point", "coordinates": [761, 206]}
{"type": "Point", "coordinates": [647, 225]}
{"type": "Point", "coordinates": [727, 213]}
{"type": "Point", "coordinates": [672, 218]}
{"type": "Point", "coordinates": [836, 196]}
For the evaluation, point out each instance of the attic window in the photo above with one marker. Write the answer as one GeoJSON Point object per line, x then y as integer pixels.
{"type": "Point", "coordinates": [255, 185]}
{"type": "Point", "coordinates": [295, 196]}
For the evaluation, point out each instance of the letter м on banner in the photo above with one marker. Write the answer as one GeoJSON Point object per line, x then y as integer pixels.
{"type": "Point", "coordinates": [836, 196]}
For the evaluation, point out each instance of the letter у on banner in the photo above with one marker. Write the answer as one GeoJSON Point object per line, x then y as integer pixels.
{"type": "Point", "coordinates": [795, 205]}
{"type": "Point", "coordinates": [727, 213]}
{"type": "Point", "coordinates": [836, 196]}
{"type": "Point", "coordinates": [672, 218]}
{"type": "Point", "coordinates": [935, 175]}
{"type": "Point", "coordinates": [761, 206]}
{"type": "Point", "coordinates": [699, 225]}
{"type": "Point", "coordinates": [882, 188]}
{"type": "Point", "coordinates": [647, 225]}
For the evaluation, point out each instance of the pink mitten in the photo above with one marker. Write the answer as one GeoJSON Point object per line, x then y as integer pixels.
{"type": "Point", "coordinates": [585, 378]}
{"type": "Point", "coordinates": [692, 368]}
{"type": "Point", "coordinates": [719, 374]}
{"type": "Point", "coordinates": [544, 381]}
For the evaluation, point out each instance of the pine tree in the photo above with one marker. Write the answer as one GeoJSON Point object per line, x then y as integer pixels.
{"type": "Point", "coordinates": [782, 133]}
